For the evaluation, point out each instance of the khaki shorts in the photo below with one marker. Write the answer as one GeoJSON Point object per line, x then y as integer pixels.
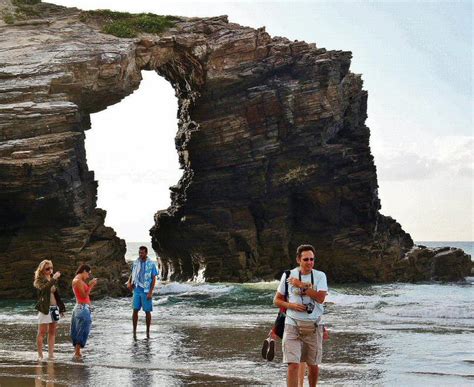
{"type": "Point", "coordinates": [308, 348]}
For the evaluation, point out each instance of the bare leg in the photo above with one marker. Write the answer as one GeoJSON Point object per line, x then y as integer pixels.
{"type": "Point", "coordinates": [77, 351]}
{"type": "Point", "coordinates": [313, 375]}
{"type": "Point", "coordinates": [301, 374]}
{"type": "Point", "coordinates": [42, 329]}
{"type": "Point", "coordinates": [292, 377]}
{"type": "Point", "coordinates": [148, 323]}
{"type": "Point", "coordinates": [135, 322]}
{"type": "Point", "coordinates": [51, 339]}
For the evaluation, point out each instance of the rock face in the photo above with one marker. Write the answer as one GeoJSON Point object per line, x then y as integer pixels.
{"type": "Point", "coordinates": [439, 264]}
{"type": "Point", "coordinates": [272, 142]}
{"type": "Point", "coordinates": [53, 74]}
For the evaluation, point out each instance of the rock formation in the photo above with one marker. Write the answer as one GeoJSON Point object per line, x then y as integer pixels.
{"type": "Point", "coordinates": [272, 142]}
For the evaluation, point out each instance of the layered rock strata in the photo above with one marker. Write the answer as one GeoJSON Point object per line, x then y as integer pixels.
{"type": "Point", "coordinates": [272, 142]}
{"type": "Point", "coordinates": [53, 73]}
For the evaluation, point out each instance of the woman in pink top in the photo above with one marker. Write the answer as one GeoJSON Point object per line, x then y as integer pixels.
{"type": "Point", "coordinates": [81, 319]}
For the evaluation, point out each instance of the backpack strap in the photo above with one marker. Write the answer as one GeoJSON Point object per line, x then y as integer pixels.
{"type": "Point", "coordinates": [312, 277]}
{"type": "Point", "coordinates": [287, 274]}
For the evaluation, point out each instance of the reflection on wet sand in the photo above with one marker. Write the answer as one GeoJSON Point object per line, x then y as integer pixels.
{"type": "Point", "coordinates": [37, 374]}
{"type": "Point", "coordinates": [347, 355]}
{"type": "Point", "coordinates": [45, 375]}
{"type": "Point", "coordinates": [201, 355]}
{"type": "Point", "coordinates": [350, 356]}
{"type": "Point", "coordinates": [212, 335]}
{"type": "Point", "coordinates": [141, 354]}
{"type": "Point", "coordinates": [214, 343]}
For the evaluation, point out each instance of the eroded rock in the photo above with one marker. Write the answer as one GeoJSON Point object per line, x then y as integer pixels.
{"type": "Point", "coordinates": [438, 264]}
{"type": "Point", "coordinates": [272, 142]}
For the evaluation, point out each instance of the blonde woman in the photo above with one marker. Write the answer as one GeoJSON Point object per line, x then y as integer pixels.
{"type": "Point", "coordinates": [49, 306]}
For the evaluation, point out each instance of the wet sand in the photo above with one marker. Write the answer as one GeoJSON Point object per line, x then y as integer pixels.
{"type": "Point", "coordinates": [189, 355]}
{"type": "Point", "coordinates": [58, 374]}
{"type": "Point", "coordinates": [211, 335]}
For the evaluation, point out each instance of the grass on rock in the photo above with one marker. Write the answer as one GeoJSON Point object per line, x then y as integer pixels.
{"type": "Point", "coordinates": [127, 25]}
{"type": "Point", "coordinates": [8, 18]}
{"type": "Point", "coordinates": [24, 10]}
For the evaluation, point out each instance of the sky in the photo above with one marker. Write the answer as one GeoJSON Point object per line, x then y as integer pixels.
{"type": "Point", "coordinates": [416, 63]}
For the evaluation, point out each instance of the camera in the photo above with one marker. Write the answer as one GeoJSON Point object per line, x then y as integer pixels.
{"type": "Point", "coordinates": [309, 308]}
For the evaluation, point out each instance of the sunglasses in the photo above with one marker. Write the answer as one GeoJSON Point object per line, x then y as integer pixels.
{"type": "Point", "coordinates": [48, 268]}
{"type": "Point", "coordinates": [308, 259]}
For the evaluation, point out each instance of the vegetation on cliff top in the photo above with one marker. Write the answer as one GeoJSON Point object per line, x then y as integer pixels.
{"type": "Point", "coordinates": [127, 25]}
{"type": "Point", "coordinates": [121, 24]}
{"type": "Point", "coordinates": [23, 10]}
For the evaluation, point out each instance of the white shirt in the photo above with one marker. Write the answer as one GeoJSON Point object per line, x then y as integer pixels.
{"type": "Point", "coordinates": [320, 284]}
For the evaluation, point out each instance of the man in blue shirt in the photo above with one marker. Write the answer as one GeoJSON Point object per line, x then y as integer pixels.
{"type": "Point", "coordinates": [142, 281]}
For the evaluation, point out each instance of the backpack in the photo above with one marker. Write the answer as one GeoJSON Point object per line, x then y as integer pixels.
{"type": "Point", "coordinates": [279, 325]}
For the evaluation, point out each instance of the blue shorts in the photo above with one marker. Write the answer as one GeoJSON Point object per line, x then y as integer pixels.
{"type": "Point", "coordinates": [140, 300]}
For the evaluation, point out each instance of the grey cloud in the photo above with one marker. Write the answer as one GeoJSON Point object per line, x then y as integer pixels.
{"type": "Point", "coordinates": [439, 158]}
{"type": "Point", "coordinates": [405, 166]}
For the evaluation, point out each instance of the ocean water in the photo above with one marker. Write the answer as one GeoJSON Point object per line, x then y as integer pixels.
{"type": "Point", "coordinates": [211, 334]}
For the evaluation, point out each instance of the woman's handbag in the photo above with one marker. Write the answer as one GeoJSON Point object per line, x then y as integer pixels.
{"type": "Point", "coordinates": [54, 312]}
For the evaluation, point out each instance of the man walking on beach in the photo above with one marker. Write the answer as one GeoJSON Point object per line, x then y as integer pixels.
{"type": "Point", "coordinates": [142, 281]}
{"type": "Point", "coordinates": [303, 335]}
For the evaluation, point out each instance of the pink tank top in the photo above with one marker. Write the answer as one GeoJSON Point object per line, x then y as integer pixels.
{"type": "Point", "coordinates": [82, 300]}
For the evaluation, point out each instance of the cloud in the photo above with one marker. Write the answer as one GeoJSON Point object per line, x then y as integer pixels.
{"type": "Point", "coordinates": [448, 155]}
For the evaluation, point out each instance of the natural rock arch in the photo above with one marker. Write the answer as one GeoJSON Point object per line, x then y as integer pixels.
{"type": "Point", "coordinates": [264, 125]}
{"type": "Point", "coordinates": [271, 140]}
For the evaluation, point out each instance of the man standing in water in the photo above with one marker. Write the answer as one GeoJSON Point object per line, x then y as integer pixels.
{"type": "Point", "coordinates": [303, 337]}
{"type": "Point", "coordinates": [142, 281]}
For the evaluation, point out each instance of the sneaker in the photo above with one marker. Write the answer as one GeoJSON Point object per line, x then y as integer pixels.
{"type": "Point", "coordinates": [266, 344]}
{"type": "Point", "coordinates": [271, 350]}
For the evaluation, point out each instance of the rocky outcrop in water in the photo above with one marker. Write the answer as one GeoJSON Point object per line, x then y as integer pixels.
{"type": "Point", "coordinates": [272, 142]}
{"type": "Point", "coordinates": [438, 264]}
